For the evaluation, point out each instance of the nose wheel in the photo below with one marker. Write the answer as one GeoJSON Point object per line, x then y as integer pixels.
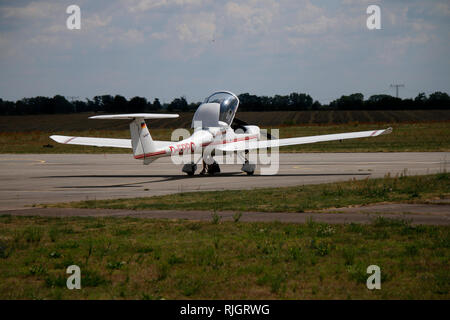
{"type": "Point", "coordinates": [189, 168]}
{"type": "Point", "coordinates": [213, 168]}
{"type": "Point", "coordinates": [210, 169]}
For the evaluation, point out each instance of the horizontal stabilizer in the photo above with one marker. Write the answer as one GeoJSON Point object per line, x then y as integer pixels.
{"type": "Point", "coordinates": [137, 116]}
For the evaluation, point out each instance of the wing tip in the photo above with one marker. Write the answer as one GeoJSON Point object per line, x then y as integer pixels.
{"type": "Point", "coordinates": [61, 139]}
{"type": "Point", "coordinates": [55, 137]}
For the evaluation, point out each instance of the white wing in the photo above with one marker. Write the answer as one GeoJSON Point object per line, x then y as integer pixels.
{"type": "Point", "coordinates": [250, 144]}
{"type": "Point", "coordinates": [137, 115]}
{"type": "Point", "coordinates": [97, 142]}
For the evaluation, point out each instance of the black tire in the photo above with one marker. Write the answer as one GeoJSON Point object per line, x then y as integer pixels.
{"type": "Point", "coordinates": [250, 173]}
{"type": "Point", "coordinates": [213, 169]}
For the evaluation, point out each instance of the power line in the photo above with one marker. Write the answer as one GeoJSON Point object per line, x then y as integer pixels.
{"type": "Point", "coordinates": [396, 86]}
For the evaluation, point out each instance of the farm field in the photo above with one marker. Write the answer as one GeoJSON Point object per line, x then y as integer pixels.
{"type": "Point", "coordinates": [423, 136]}
{"type": "Point", "coordinates": [79, 121]}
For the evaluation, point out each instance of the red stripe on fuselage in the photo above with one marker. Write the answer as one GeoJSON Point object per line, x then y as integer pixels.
{"type": "Point", "coordinates": [225, 141]}
{"type": "Point", "coordinates": [203, 145]}
{"type": "Point", "coordinates": [140, 156]}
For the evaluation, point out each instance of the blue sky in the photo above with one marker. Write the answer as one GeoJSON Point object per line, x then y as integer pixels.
{"type": "Point", "coordinates": [172, 48]}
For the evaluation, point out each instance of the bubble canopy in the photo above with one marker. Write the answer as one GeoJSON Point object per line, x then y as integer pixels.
{"type": "Point", "coordinates": [228, 102]}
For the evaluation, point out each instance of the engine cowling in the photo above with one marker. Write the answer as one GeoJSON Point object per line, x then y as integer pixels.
{"type": "Point", "coordinates": [254, 130]}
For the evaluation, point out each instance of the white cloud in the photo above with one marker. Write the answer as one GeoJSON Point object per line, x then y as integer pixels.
{"type": "Point", "coordinates": [159, 35]}
{"type": "Point", "coordinates": [321, 24]}
{"type": "Point", "coordinates": [252, 17]}
{"type": "Point", "coordinates": [440, 8]}
{"type": "Point", "coordinates": [32, 10]}
{"type": "Point", "coordinates": [408, 40]}
{"type": "Point", "coordinates": [312, 20]}
{"type": "Point", "coordinates": [393, 49]}
{"type": "Point", "coordinates": [145, 5]}
{"type": "Point", "coordinates": [357, 2]}
{"type": "Point", "coordinates": [195, 28]}
{"type": "Point", "coordinates": [96, 21]}
{"type": "Point", "coordinates": [131, 36]}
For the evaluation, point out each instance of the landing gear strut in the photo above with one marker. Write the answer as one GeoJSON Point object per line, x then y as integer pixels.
{"type": "Point", "coordinates": [248, 167]}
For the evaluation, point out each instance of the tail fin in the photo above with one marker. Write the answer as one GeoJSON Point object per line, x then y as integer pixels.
{"type": "Point", "coordinates": [141, 140]}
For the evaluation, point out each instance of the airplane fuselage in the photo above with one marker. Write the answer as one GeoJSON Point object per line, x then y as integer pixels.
{"type": "Point", "coordinates": [201, 139]}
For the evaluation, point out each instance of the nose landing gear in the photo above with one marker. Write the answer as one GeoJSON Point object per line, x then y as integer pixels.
{"type": "Point", "coordinates": [189, 168]}
{"type": "Point", "coordinates": [213, 168]}
{"type": "Point", "coordinates": [210, 169]}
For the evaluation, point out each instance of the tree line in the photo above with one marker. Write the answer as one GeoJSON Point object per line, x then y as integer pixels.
{"type": "Point", "coordinates": [248, 102]}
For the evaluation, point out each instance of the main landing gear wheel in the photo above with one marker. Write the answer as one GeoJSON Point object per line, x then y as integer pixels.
{"type": "Point", "coordinates": [189, 168]}
{"type": "Point", "coordinates": [248, 168]}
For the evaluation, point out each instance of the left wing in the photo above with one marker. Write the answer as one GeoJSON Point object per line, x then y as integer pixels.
{"type": "Point", "coordinates": [96, 142]}
{"type": "Point", "coordinates": [251, 144]}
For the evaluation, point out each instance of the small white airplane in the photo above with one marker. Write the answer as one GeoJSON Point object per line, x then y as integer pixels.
{"type": "Point", "coordinates": [214, 129]}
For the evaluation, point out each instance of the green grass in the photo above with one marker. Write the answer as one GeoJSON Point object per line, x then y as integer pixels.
{"type": "Point", "coordinates": [432, 136]}
{"type": "Point", "coordinates": [155, 259]}
{"type": "Point", "coordinates": [289, 199]}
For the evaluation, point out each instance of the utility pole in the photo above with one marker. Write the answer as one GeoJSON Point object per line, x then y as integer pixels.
{"type": "Point", "coordinates": [396, 86]}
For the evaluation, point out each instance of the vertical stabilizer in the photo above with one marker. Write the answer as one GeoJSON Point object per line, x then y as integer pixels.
{"type": "Point", "coordinates": [141, 140]}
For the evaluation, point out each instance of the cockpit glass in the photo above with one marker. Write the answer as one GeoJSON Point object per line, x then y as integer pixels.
{"type": "Point", "coordinates": [228, 105]}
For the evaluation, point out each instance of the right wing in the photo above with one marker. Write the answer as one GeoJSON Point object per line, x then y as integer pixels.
{"type": "Point", "coordinates": [262, 144]}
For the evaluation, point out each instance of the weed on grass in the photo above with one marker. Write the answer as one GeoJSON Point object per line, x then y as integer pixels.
{"type": "Point", "coordinates": [215, 218]}
{"type": "Point", "coordinates": [349, 254]}
{"type": "Point", "coordinates": [237, 216]}
{"type": "Point", "coordinates": [32, 234]}
{"type": "Point", "coordinates": [6, 249]}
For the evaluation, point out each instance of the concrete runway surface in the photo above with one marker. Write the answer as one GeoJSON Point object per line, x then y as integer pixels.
{"type": "Point", "coordinates": [28, 179]}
